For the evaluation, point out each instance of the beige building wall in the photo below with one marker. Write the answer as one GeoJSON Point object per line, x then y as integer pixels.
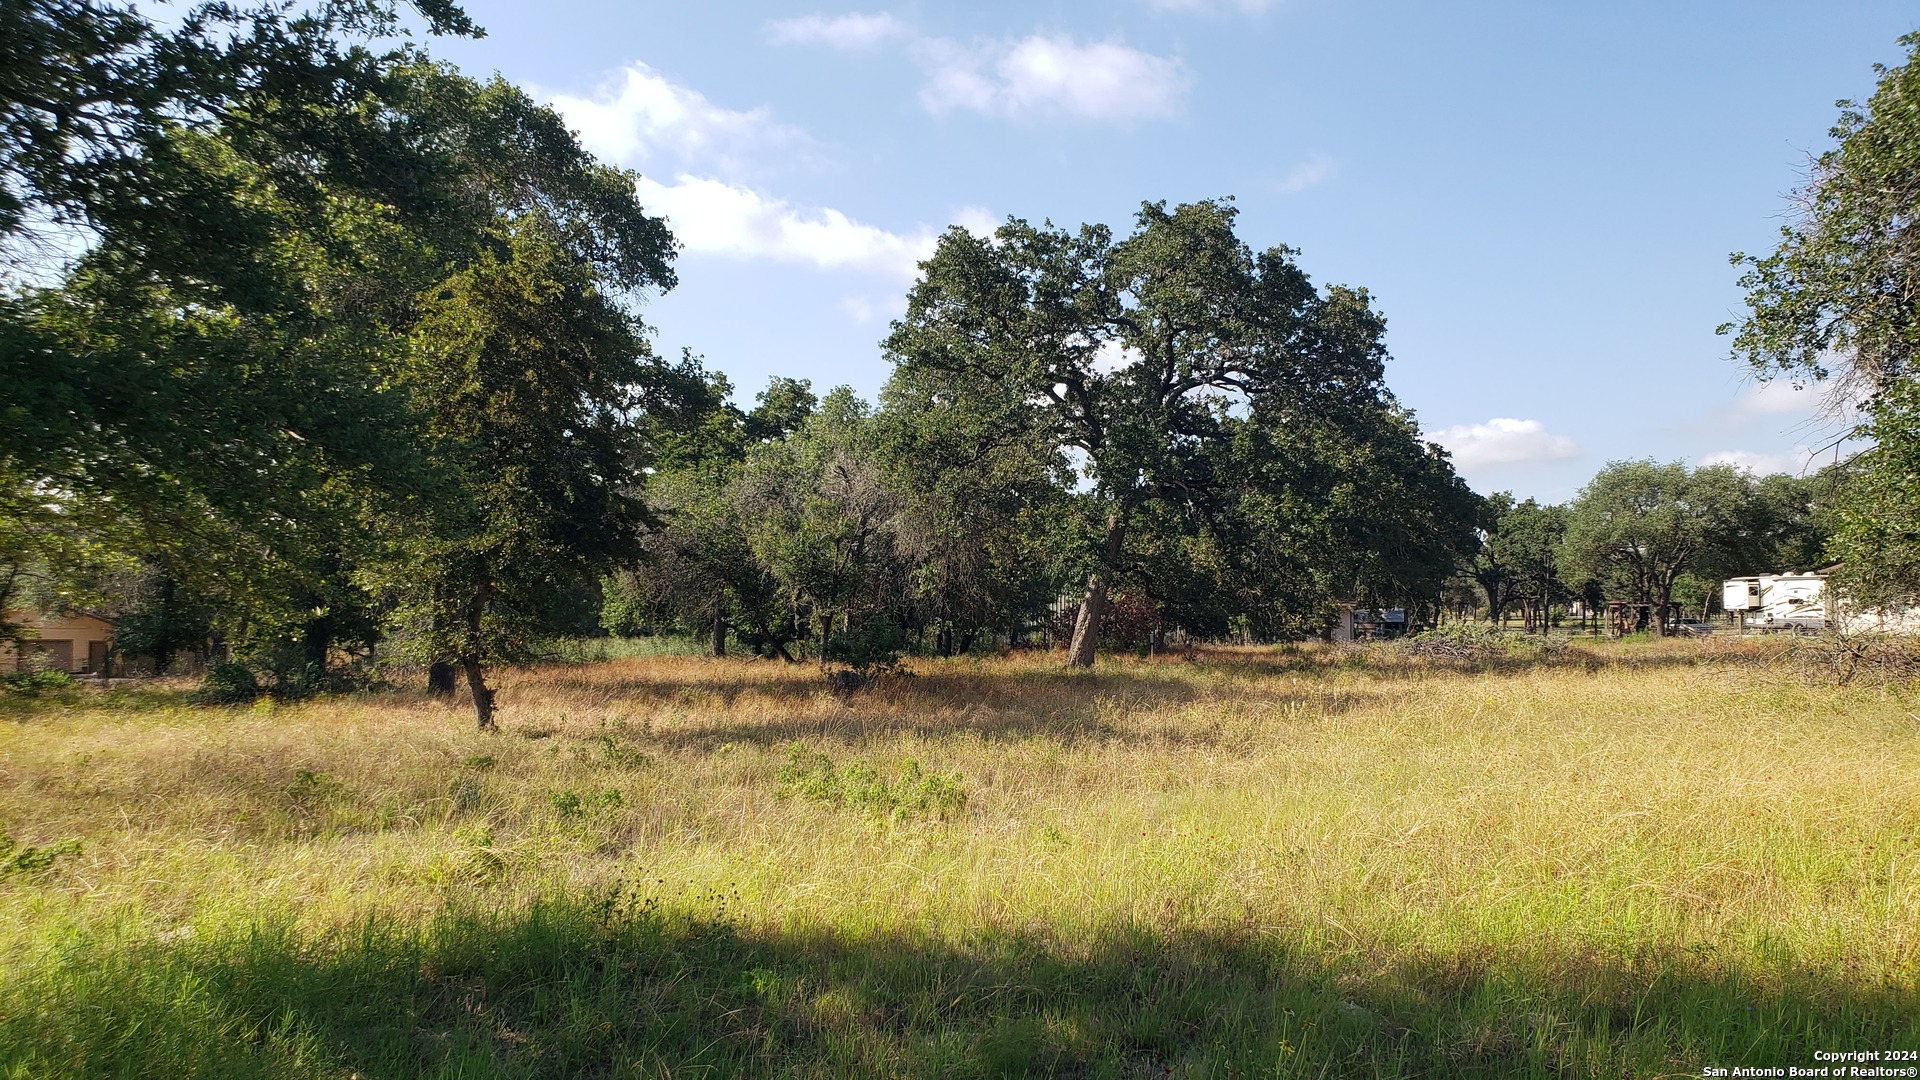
{"type": "Point", "coordinates": [71, 643]}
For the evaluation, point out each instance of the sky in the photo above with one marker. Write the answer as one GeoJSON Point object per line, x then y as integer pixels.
{"type": "Point", "coordinates": [1541, 197]}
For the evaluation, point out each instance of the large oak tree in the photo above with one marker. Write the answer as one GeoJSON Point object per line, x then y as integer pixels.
{"type": "Point", "coordinates": [1139, 357]}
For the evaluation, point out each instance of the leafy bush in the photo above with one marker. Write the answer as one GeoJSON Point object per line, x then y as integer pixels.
{"type": "Point", "coordinates": [871, 648]}
{"type": "Point", "coordinates": [35, 683]}
{"type": "Point", "coordinates": [227, 684]}
{"type": "Point", "coordinates": [291, 675]}
{"type": "Point", "coordinates": [811, 775]}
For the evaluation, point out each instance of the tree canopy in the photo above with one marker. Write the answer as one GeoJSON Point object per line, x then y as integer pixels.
{"type": "Point", "coordinates": [1142, 358]}
{"type": "Point", "coordinates": [1835, 303]}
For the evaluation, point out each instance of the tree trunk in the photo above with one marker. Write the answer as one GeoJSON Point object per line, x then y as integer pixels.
{"type": "Point", "coordinates": [719, 630]}
{"type": "Point", "coordinates": [773, 642]}
{"type": "Point", "coordinates": [482, 695]}
{"type": "Point", "coordinates": [440, 679]}
{"type": "Point", "coordinates": [1086, 629]}
{"type": "Point", "coordinates": [476, 679]}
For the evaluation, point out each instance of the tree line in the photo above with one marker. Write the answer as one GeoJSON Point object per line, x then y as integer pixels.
{"type": "Point", "coordinates": [314, 347]}
{"type": "Point", "coordinates": [1663, 536]}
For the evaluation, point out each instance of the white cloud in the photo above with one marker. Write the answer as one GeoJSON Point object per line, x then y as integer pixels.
{"type": "Point", "coordinates": [1040, 75]}
{"type": "Point", "coordinates": [842, 32]}
{"type": "Point", "coordinates": [714, 217]}
{"type": "Point", "coordinates": [1503, 440]}
{"type": "Point", "coordinates": [977, 220]}
{"type": "Point", "coordinates": [1797, 461]}
{"type": "Point", "coordinates": [1777, 397]}
{"type": "Point", "coordinates": [1050, 76]}
{"type": "Point", "coordinates": [639, 117]}
{"type": "Point", "coordinates": [1312, 171]}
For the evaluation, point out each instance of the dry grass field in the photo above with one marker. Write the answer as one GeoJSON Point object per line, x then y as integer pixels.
{"type": "Point", "coordinates": [1636, 860]}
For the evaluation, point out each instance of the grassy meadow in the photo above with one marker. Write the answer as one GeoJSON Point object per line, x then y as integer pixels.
{"type": "Point", "coordinates": [1614, 860]}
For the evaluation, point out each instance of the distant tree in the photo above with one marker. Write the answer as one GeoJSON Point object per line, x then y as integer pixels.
{"type": "Point", "coordinates": [160, 617]}
{"type": "Point", "coordinates": [1132, 355]}
{"type": "Point", "coordinates": [1528, 539]}
{"type": "Point", "coordinates": [1519, 554]}
{"type": "Point", "coordinates": [1835, 302]}
{"type": "Point", "coordinates": [780, 409]}
{"type": "Point", "coordinates": [1490, 567]}
{"type": "Point", "coordinates": [823, 522]}
{"type": "Point", "coordinates": [1405, 520]}
{"type": "Point", "coordinates": [697, 566]}
{"type": "Point", "coordinates": [1786, 524]}
{"type": "Point", "coordinates": [1637, 526]}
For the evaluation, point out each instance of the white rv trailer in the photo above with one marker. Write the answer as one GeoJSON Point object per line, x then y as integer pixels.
{"type": "Point", "coordinates": [1777, 601]}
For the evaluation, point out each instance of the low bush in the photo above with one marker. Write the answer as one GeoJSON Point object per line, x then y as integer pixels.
{"type": "Point", "coordinates": [1473, 643]}
{"type": "Point", "coordinates": [870, 649]}
{"type": "Point", "coordinates": [227, 684]}
{"type": "Point", "coordinates": [915, 793]}
{"type": "Point", "coordinates": [35, 683]}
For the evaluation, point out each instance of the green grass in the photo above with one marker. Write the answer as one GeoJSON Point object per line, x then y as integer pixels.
{"type": "Point", "coordinates": [1629, 863]}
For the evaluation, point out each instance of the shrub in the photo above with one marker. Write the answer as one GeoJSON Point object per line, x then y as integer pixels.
{"type": "Point", "coordinates": [227, 684]}
{"type": "Point", "coordinates": [573, 805]}
{"type": "Point", "coordinates": [35, 683]}
{"type": "Point", "coordinates": [872, 648]}
{"type": "Point", "coordinates": [811, 775]}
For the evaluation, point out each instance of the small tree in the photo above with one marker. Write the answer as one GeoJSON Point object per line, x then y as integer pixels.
{"type": "Point", "coordinates": [529, 374]}
{"type": "Point", "coordinates": [823, 521]}
{"type": "Point", "coordinates": [1527, 541]}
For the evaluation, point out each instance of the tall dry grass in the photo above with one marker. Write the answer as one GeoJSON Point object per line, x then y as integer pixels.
{"type": "Point", "coordinates": [1635, 860]}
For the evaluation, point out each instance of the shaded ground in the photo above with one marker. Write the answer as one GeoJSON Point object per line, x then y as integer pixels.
{"type": "Point", "coordinates": [622, 987]}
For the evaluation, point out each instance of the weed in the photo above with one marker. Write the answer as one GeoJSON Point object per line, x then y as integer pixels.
{"type": "Point", "coordinates": [466, 793]}
{"type": "Point", "coordinates": [571, 805]}
{"type": "Point", "coordinates": [32, 860]}
{"type": "Point", "coordinates": [811, 775]}
{"type": "Point", "coordinates": [308, 788]}
{"type": "Point", "coordinates": [615, 753]}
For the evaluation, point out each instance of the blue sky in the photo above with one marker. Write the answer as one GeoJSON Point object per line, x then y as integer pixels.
{"type": "Point", "coordinates": [1541, 196]}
